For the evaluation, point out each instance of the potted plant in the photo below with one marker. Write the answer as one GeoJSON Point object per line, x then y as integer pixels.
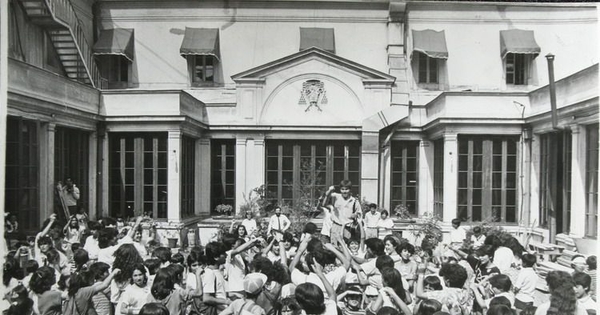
{"type": "Point", "coordinates": [401, 211]}
{"type": "Point", "coordinates": [224, 209]}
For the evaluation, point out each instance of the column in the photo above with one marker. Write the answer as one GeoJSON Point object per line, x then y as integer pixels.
{"type": "Point", "coordinates": [240, 172]}
{"type": "Point", "coordinates": [425, 180]}
{"type": "Point", "coordinates": [525, 191]}
{"type": "Point", "coordinates": [92, 175]}
{"type": "Point", "coordinates": [102, 209]}
{"type": "Point", "coordinates": [202, 177]}
{"type": "Point", "coordinates": [257, 166]}
{"type": "Point", "coordinates": [450, 176]}
{"type": "Point", "coordinates": [47, 180]}
{"type": "Point", "coordinates": [369, 169]}
{"type": "Point", "coordinates": [534, 186]}
{"type": "Point", "coordinates": [578, 173]}
{"type": "Point", "coordinates": [174, 177]}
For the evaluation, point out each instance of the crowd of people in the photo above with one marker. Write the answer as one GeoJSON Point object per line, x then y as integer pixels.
{"type": "Point", "coordinates": [355, 264]}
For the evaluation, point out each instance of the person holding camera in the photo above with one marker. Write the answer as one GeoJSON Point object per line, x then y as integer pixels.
{"type": "Point", "coordinates": [70, 194]}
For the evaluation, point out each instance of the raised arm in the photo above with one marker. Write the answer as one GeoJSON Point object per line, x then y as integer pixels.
{"type": "Point", "coordinates": [267, 248]}
{"type": "Point", "coordinates": [301, 249]}
{"type": "Point", "coordinates": [101, 286]}
{"type": "Point", "coordinates": [231, 226]}
{"type": "Point", "coordinates": [245, 246]}
{"type": "Point", "coordinates": [345, 261]}
{"type": "Point", "coordinates": [47, 228]}
{"type": "Point", "coordinates": [283, 254]}
{"type": "Point", "coordinates": [138, 220]}
{"type": "Point", "coordinates": [328, 287]}
{"type": "Point", "coordinates": [398, 301]}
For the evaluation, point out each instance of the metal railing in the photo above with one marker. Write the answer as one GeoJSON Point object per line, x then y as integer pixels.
{"type": "Point", "coordinates": [62, 11]}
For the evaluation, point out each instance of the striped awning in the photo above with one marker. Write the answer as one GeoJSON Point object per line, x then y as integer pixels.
{"type": "Point", "coordinates": [117, 41]}
{"type": "Point", "coordinates": [431, 43]}
{"type": "Point", "coordinates": [201, 41]}
{"type": "Point", "coordinates": [518, 42]}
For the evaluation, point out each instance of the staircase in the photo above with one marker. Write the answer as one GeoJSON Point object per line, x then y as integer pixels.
{"type": "Point", "coordinates": [59, 20]}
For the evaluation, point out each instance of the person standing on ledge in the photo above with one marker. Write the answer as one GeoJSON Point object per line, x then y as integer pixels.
{"type": "Point", "coordinates": [346, 208]}
{"type": "Point", "coordinates": [70, 194]}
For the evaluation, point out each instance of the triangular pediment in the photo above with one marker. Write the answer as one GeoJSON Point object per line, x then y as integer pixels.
{"type": "Point", "coordinates": [365, 73]}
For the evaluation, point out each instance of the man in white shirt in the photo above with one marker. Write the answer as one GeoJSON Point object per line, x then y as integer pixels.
{"type": "Point", "coordinates": [346, 208]}
{"type": "Point", "coordinates": [278, 222]}
{"type": "Point", "coordinates": [371, 221]}
{"type": "Point", "coordinates": [582, 290]}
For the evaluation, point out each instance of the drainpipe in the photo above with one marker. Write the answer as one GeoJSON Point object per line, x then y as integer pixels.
{"type": "Point", "coordinates": [550, 58]}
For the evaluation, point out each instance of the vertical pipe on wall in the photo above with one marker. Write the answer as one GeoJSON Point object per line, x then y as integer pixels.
{"type": "Point", "coordinates": [550, 58]}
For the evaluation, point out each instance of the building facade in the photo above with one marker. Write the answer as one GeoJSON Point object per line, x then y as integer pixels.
{"type": "Point", "coordinates": [174, 107]}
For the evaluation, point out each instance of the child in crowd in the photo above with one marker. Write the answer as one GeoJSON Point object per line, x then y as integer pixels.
{"type": "Point", "coordinates": [591, 270]}
{"type": "Point", "coordinates": [385, 224]}
{"type": "Point", "coordinates": [457, 233]}
{"type": "Point", "coordinates": [526, 282]}
{"type": "Point", "coordinates": [478, 238]}
{"type": "Point", "coordinates": [371, 221]}
{"type": "Point", "coordinates": [583, 282]}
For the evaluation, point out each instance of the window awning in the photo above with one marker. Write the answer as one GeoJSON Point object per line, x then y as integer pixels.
{"type": "Point", "coordinates": [201, 41]}
{"type": "Point", "coordinates": [431, 43]}
{"type": "Point", "coordinates": [518, 42]}
{"type": "Point", "coordinates": [118, 41]}
{"type": "Point", "coordinates": [317, 37]}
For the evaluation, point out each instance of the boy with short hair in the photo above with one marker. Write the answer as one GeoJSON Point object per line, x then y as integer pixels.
{"type": "Point", "coordinates": [457, 233]}
{"type": "Point", "coordinates": [371, 221]}
{"type": "Point", "coordinates": [347, 208]}
{"type": "Point", "coordinates": [478, 238]}
{"type": "Point", "coordinates": [526, 282]}
{"type": "Point", "coordinates": [582, 289]}
{"type": "Point", "coordinates": [591, 262]}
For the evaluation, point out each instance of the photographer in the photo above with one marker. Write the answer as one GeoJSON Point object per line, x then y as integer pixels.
{"type": "Point", "coordinates": [70, 194]}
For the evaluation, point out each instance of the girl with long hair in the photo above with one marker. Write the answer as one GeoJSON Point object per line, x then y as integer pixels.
{"type": "Point", "coordinates": [73, 230]}
{"type": "Point", "coordinates": [81, 290]}
{"type": "Point", "coordinates": [563, 300]}
{"type": "Point", "coordinates": [135, 295]}
{"type": "Point", "coordinates": [49, 302]}
{"type": "Point", "coordinates": [163, 291]}
{"type": "Point", "coordinates": [21, 304]}
{"type": "Point", "coordinates": [126, 258]}
{"type": "Point", "coordinates": [392, 294]}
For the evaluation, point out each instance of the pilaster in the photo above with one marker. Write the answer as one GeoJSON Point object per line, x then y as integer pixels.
{"type": "Point", "coordinates": [240, 172]}
{"type": "Point", "coordinates": [369, 166]}
{"type": "Point", "coordinates": [104, 154]}
{"type": "Point", "coordinates": [174, 178]}
{"type": "Point", "coordinates": [47, 180]}
{"type": "Point", "coordinates": [425, 180]}
{"type": "Point", "coordinates": [202, 177]}
{"type": "Point", "coordinates": [578, 173]}
{"type": "Point", "coordinates": [92, 175]}
{"type": "Point", "coordinates": [534, 187]}
{"type": "Point", "coordinates": [450, 176]}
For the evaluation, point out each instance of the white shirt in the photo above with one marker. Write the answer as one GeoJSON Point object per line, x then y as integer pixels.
{"type": "Point", "coordinates": [385, 224]}
{"type": "Point", "coordinates": [212, 279]}
{"type": "Point", "coordinates": [106, 255]}
{"type": "Point", "coordinates": [372, 219]}
{"type": "Point", "coordinates": [503, 258]}
{"type": "Point", "coordinates": [134, 298]}
{"type": "Point", "coordinates": [234, 270]}
{"type": "Point", "coordinates": [478, 242]}
{"type": "Point", "coordinates": [327, 223]}
{"type": "Point", "coordinates": [281, 223]}
{"type": "Point", "coordinates": [91, 246]}
{"type": "Point", "coordinates": [526, 283]}
{"type": "Point", "coordinates": [587, 303]}
{"type": "Point", "coordinates": [334, 278]}
{"type": "Point", "coordinates": [458, 235]}
{"type": "Point", "coordinates": [543, 309]}
{"type": "Point", "coordinates": [250, 225]}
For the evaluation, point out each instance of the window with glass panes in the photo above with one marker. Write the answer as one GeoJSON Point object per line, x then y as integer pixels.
{"type": "Point", "coordinates": [555, 180]}
{"type": "Point", "coordinates": [404, 159]}
{"type": "Point", "coordinates": [138, 174]}
{"type": "Point", "coordinates": [71, 160]}
{"type": "Point", "coordinates": [223, 172]}
{"type": "Point", "coordinates": [516, 68]}
{"type": "Point", "coordinates": [22, 189]}
{"type": "Point", "coordinates": [188, 172]}
{"type": "Point", "coordinates": [487, 178]}
{"type": "Point", "coordinates": [438, 178]}
{"type": "Point", "coordinates": [296, 168]}
{"type": "Point", "coordinates": [428, 68]}
{"type": "Point", "coordinates": [202, 69]}
{"type": "Point", "coordinates": [591, 185]}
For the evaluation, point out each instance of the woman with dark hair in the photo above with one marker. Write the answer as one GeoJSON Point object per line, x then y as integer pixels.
{"type": "Point", "coordinates": [563, 300]}
{"type": "Point", "coordinates": [126, 258]}
{"type": "Point", "coordinates": [135, 295]}
{"type": "Point", "coordinates": [49, 302]}
{"type": "Point", "coordinates": [163, 291]}
{"type": "Point", "coordinates": [482, 262]}
{"type": "Point", "coordinates": [249, 223]}
{"type": "Point", "coordinates": [503, 256]}
{"type": "Point", "coordinates": [429, 307]}
{"type": "Point", "coordinates": [154, 309]}
{"type": "Point", "coordinates": [392, 294]}
{"type": "Point", "coordinates": [80, 260]}
{"type": "Point", "coordinates": [81, 290]}
{"type": "Point", "coordinates": [73, 231]}
{"type": "Point", "coordinates": [20, 302]}
{"type": "Point", "coordinates": [9, 276]}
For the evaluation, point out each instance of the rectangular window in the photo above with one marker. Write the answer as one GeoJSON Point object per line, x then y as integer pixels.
{"type": "Point", "coordinates": [516, 68]}
{"type": "Point", "coordinates": [428, 68]}
{"type": "Point", "coordinates": [115, 70]}
{"type": "Point", "coordinates": [591, 182]}
{"type": "Point", "coordinates": [303, 169]}
{"type": "Point", "coordinates": [438, 178]}
{"type": "Point", "coordinates": [223, 173]}
{"type": "Point", "coordinates": [405, 166]}
{"type": "Point", "coordinates": [71, 160]}
{"type": "Point", "coordinates": [22, 172]}
{"type": "Point", "coordinates": [202, 69]}
{"type": "Point", "coordinates": [487, 178]}
{"type": "Point", "coordinates": [188, 172]}
{"type": "Point", "coordinates": [138, 174]}
{"type": "Point", "coordinates": [555, 181]}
